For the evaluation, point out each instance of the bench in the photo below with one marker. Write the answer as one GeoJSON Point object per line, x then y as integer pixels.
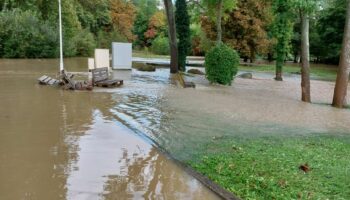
{"type": "Point", "coordinates": [100, 78]}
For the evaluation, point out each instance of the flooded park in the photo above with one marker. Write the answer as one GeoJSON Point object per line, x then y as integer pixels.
{"type": "Point", "coordinates": [59, 144]}
{"type": "Point", "coordinates": [109, 143]}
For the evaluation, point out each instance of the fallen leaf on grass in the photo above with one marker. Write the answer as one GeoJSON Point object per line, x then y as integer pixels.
{"type": "Point", "coordinates": [306, 168]}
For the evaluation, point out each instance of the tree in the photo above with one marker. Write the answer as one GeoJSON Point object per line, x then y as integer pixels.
{"type": "Point", "coordinates": [341, 86]}
{"type": "Point", "coordinates": [330, 28]}
{"type": "Point", "coordinates": [146, 9]}
{"type": "Point", "coordinates": [182, 20]}
{"type": "Point", "coordinates": [245, 28]}
{"type": "Point", "coordinates": [172, 36]}
{"type": "Point", "coordinates": [217, 7]}
{"type": "Point", "coordinates": [123, 15]}
{"type": "Point", "coordinates": [282, 30]}
{"type": "Point", "coordinates": [305, 8]}
{"type": "Point", "coordinates": [156, 27]}
{"type": "Point", "coordinates": [140, 28]}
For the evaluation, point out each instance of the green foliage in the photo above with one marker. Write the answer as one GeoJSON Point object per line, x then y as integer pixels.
{"type": "Point", "coordinates": [161, 46]}
{"type": "Point", "coordinates": [24, 35]}
{"type": "Point", "coordinates": [146, 9]}
{"type": "Point", "coordinates": [140, 28]}
{"type": "Point", "coordinates": [268, 167]}
{"type": "Point", "coordinates": [330, 29]}
{"type": "Point", "coordinates": [282, 30]}
{"type": "Point", "coordinates": [84, 42]}
{"type": "Point", "coordinates": [221, 64]}
{"type": "Point", "coordinates": [183, 30]}
{"type": "Point", "coordinates": [211, 5]}
{"type": "Point", "coordinates": [308, 6]}
{"type": "Point", "coordinates": [105, 39]}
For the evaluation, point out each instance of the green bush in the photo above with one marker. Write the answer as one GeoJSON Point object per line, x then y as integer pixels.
{"type": "Point", "coordinates": [221, 64]}
{"type": "Point", "coordinates": [85, 43]}
{"type": "Point", "coordinates": [24, 35]}
{"type": "Point", "coordinates": [105, 39]}
{"type": "Point", "coordinates": [161, 46]}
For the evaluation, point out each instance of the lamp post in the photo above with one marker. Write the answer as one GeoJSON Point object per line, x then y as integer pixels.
{"type": "Point", "coordinates": [61, 42]}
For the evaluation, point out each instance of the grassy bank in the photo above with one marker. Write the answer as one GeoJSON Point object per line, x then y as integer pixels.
{"type": "Point", "coordinates": [269, 167]}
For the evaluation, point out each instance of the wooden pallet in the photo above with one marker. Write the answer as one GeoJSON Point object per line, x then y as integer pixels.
{"type": "Point", "coordinates": [100, 79]}
{"type": "Point", "coordinates": [109, 83]}
{"type": "Point", "coordinates": [70, 84]}
{"type": "Point", "coordinates": [46, 80]}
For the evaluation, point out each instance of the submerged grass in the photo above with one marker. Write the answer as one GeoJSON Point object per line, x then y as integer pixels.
{"type": "Point", "coordinates": [320, 72]}
{"type": "Point", "coordinates": [268, 167]}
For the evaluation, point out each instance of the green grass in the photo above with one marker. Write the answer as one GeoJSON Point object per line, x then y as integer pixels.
{"type": "Point", "coordinates": [319, 72]}
{"type": "Point", "coordinates": [268, 168]}
{"type": "Point", "coordinates": [147, 54]}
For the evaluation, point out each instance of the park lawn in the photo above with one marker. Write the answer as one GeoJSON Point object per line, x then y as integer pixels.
{"type": "Point", "coordinates": [268, 167]}
{"type": "Point", "coordinates": [322, 72]}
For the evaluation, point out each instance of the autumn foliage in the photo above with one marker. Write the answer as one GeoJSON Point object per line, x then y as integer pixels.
{"type": "Point", "coordinates": [123, 13]}
{"type": "Point", "coordinates": [244, 28]}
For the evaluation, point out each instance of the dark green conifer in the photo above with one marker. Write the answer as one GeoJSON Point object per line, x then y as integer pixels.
{"type": "Point", "coordinates": [182, 19]}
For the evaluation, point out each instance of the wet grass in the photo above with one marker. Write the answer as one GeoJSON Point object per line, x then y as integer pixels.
{"type": "Point", "coordinates": [319, 72]}
{"type": "Point", "coordinates": [147, 54]}
{"type": "Point", "coordinates": [268, 167]}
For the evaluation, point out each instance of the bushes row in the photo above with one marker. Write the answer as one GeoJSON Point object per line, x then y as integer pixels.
{"type": "Point", "coordinates": [24, 35]}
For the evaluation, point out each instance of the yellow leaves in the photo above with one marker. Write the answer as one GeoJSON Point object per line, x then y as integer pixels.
{"type": "Point", "coordinates": [123, 13]}
{"type": "Point", "coordinates": [158, 20]}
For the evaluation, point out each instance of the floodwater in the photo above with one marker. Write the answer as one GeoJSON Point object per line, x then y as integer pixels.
{"type": "Point", "coordinates": [57, 144]}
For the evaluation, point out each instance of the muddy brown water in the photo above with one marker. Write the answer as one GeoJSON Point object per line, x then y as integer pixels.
{"type": "Point", "coordinates": [58, 144]}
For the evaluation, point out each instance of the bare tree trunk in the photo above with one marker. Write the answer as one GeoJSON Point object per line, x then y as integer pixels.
{"type": "Point", "coordinates": [219, 21]}
{"type": "Point", "coordinates": [341, 86]}
{"type": "Point", "coordinates": [172, 36]}
{"type": "Point", "coordinates": [279, 65]}
{"type": "Point", "coordinates": [305, 58]}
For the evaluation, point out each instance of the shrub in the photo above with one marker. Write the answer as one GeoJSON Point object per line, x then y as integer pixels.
{"type": "Point", "coordinates": [161, 46]}
{"type": "Point", "coordinates": [221, 64]}
{"type": "Point", "coordinates": [23, 35]}
{"type": "Point", "coordinates": [105, 39]}
{"type": "Point", "coordinates": [85, 43]}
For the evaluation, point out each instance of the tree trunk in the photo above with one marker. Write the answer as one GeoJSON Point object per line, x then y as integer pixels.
{"type": "Point", "coordinates": [341, 86]}
{"type": "Point", "coordinates": [279, 65]}
{"type": "Point", "coordinates": [305, 58]}
{"type": "Point", "coordinates": [219, 21]}
{"type": "Point", "coordinates": [172, 36]}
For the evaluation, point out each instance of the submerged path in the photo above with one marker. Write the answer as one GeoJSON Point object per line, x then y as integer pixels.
{"type": "Point", "coordinates": [58, 144]}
